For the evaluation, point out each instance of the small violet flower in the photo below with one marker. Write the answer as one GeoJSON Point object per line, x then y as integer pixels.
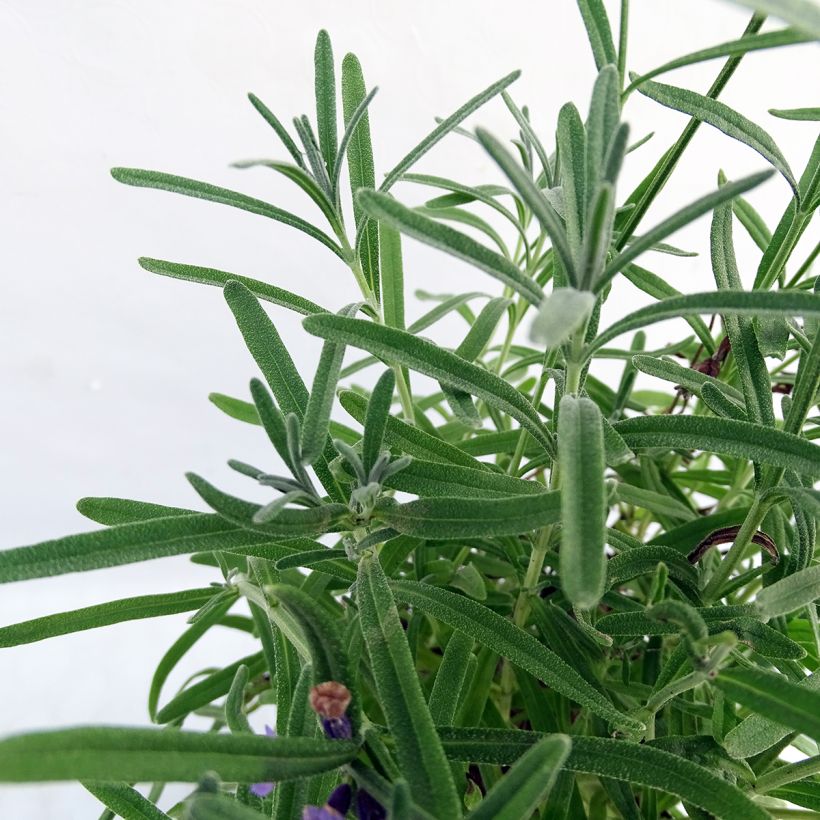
{"type": "Point", "coordinates": [330, 701]}
{"type": "Point", "coordinates": [368, 808]}
{"type": "Point", "coordinates": [336, 807]}
{"type": "Point", "coordinates": [263, 789]}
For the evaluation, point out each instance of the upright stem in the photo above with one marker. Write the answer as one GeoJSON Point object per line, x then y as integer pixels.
{"type": "Point", "coordinates": [623, 36]}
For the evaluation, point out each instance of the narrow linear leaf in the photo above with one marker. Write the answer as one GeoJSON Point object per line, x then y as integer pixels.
{"type": "Point", "coordinates": [774, 696]}
{"type": "Point", "coordinates": [280, 129]}
{"type": "Point", "coordinates": [790, 593]}
{"type": "Point", "coordinates": [411, 440]}
{"type": "Point", "coordinates": [445, 127]}
{"type": "Point", "coordinates": [635, 763]}
{"type": "Point", "coordinates": [544, 212]}
{"type": "Point", "coordinates": [384, 208]}
{"type": "Point", "coordinates": [678, 220]}
{"type": "Point", "coordinates": [167, 755]}
{"type": "Point", "coordinates": [272, 356]}
{"type": "Point", "coordinates": [527, 783]}
{"type": "Point", "coordinates": [402, 348]}
{"type": "Point", "coordinates": [113, 612]}
{"type": "Point", "coordinates": [745, 303]}
{"type": "Point", "coordinates": [325, 88]}
{"type": "Point", "coordinates": [212, 193]}
{"type": "Point", "coordinates": [802, 14]}
{"type": "Point", "coordinates": [583, 501]}
{"type": "Point", "coordinates": [316, 420]}
{"type": "Point", "coordinates": [458, 517]}
{"type": "Point", "coordinates": [111, 511]}
{"type": "Point", "coordinates": [124, 544]}
{"type": "Point", "coordinates": [599, 32]}
{"type": "Point", "coordinates": [219, 278]}
{"type": "Point", "coordinates": [728, 436]}
{"type": "Point", "coordinates": [125, 801]}
{"type": "Point", "coordinates": [509, 641]}
{"type": "Point", "coordinates": [418, 748]}
{"type": "Point", "coordinates": [722, 117]}
{"type": "Point", "coordinates": [754, 42]}
{"type": "Point", "coordinates": [804, 114]}
{"type": "Point", "coordinates": [360, 164]}
{"type": "Point", "coordinates": [450, 678]}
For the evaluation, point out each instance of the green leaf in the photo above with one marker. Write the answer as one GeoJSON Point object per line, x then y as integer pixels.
{"type": "Point", "coordinates": [432, 478]}
{"type": "Point", "coordinates": [110, 511]}
{"type": "Point", "coordinates": [404, 349]}
{"type": "Point", "coordinates": [804, 114]}
{"type": "Point", "coordinates": [583, 501]}
{"type": "Point", "coordinates": [113, 612]}
{"type": "Point", "coordinates": [378, 411]}
{"type": "Point", "coordinates": [203, 190]}
{"type": "Point", "coordinates": [571, 141]}
{"type": "Point", "coordinates": [208, 689]}
{"type": "Point", "coordinates": [385, 209]}
{"type": "Point", "coordinates": [561, 313]}
{"type": "Point", "coordinates": [602, 125]}
{"type": "Point", "coordinates": [790, 593]}
{"type": "Point", "coordinates": [722, 117]}
{"type": "Point", "coordinates": [216, 806]}
{"type": "Point", "coordinates": [418, 748]}
{"type": "Point", "coordinates": [219, 278]}
{"type": "Point", "coordinates": [598, 236]}
{"type": "Point", "coordinates": [527, 783]}
{"type": "Point", "coordinates": [686, 377]}
{"type": "Point", "coordinates": [392, 276]}
{"type": "Point", "coordinates": [658, 288]}
{"type": "Point", "coordinates": [802, 14]}
{"type": "Point", "coordinates": [458, 517]}
{"type": "Point", "coordinates": [543, 211]}
{"type": "Point", "coordinates": [124, 544]}
{"type": "Point", "coordinates": [125, 801]}
{"type": "Point", "coordinates": [325, 86]}
{"type": "Point", "coordinates": [599, 32]}
{"type": "Point", "coordinates": [745, 303]}
{"type": "Point", "coordinates": [759, 732]}
{"type": "Point", "coordinates": [445, 126]}
{"type": "Point", "coordinates": [289, 523]}
{"type": "Point", "coordinates": [305, 181]}
{"type": "Point", "coordinates": [775, 697]}
{"type": "Point", "coordinates": [360, 164]}
{"type": "Point", "coordinates": [450, 678]}
{"type": "Point", "coordinates": [635, 763]}
{"type": "Point", "coordinates": [280, 130]}
{"type": "Point", "coordinates": [754, 42]}
{"type": "Point", "coordinates": [316, 421]}
{"type": "Point", "coordinates": [678, 220]}
{"type": "Point", "coordinates": [327, 653]}
{"type": "Point", "coordinates": [409, 439]}
{"type": "Point", "coordinates": [167, 755]}
{"type": "Point", "coordinates": [178, 649]}
{"type": "Point", "coordinates": [235, 408]}
{"type": "Point", "coordinates": [741, 439]}
{"type": "Point", "coordinates": [509, 641]}
{"type": "Point", "coordinates": [272, 356]}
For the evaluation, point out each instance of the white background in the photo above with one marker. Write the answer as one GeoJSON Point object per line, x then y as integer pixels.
{"type": "Point", "coordinates": [105, 369]}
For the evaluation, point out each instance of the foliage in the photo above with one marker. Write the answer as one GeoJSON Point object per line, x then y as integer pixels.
{"type": "Point", "coordinates": [496, 596]}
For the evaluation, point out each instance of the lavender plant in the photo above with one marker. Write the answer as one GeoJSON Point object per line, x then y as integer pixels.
{"type": "Point", "coordinates": [505, 597]}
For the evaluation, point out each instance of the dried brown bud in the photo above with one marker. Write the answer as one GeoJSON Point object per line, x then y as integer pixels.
{"type": "Point", "coordinates": [330, 699]}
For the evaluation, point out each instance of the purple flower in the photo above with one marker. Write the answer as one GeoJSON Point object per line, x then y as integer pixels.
{"type": "Point", "coordinates": [338, 728]}
{"type": "Point", "coordinates": [320, 813]}
{"type": "Point", "coordinates": [263, 789]}
{"type": "Point", "coordinates": [330, 701]}
{"type": "Point", "coordinates": [368, 808]}
{"type": "Point", "coordinates": [336, 807]}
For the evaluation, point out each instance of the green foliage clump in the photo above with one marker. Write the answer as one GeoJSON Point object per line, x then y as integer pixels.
{"type": "Point", "coordinates": [502, 595]}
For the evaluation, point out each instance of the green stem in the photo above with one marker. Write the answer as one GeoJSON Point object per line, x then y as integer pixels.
{"type": "Point", "coordinates": [669, 160]}
{"type": "Point", "coordinates": [622, 40]}
{"type": "Point", "coordinates": [750, 526]}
